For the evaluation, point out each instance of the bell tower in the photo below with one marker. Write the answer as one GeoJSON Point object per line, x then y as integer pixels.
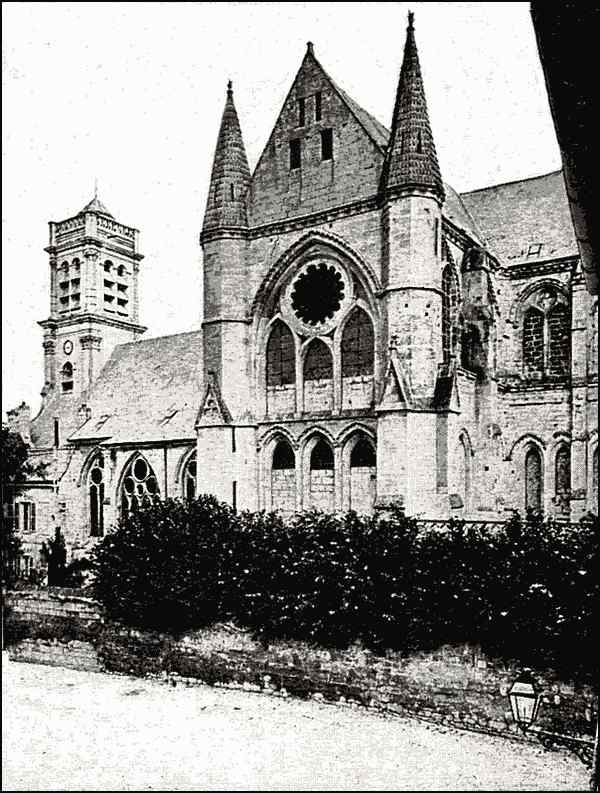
{"type": "Point", "coordinates": [94, 269]}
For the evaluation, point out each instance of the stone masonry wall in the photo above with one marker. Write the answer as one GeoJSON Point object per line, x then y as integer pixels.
{"type": "Point", "coordinates": [457, 686]}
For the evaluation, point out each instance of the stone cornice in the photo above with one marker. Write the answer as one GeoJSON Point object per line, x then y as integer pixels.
{"type": "Point", "coordinates": [55, 250]}
{"type": "Point", "coordinates": [531, 269]}
{"type": "Point", "coordinates": [232, 320]}
{"type": "Point", "coordinates": [80, 319]}
{"type": "Point", "coordinates": [225, 233]}
{"type": "Point", "coordinates": [564, 384]}
{"type": "Point", "coordinates": [315, 218]}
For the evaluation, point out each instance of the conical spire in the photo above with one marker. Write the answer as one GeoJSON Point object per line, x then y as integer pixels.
{"type": "Point", "coordinates": [226, 206]}
{"type": "Point", "coordinates": [411, 161]}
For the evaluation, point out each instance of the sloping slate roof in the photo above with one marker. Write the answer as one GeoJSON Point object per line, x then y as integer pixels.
{"type": "Point", "coordinates": [457, 213]}
{"type": "Point", "coordinates": [374, 128]}
{"type": "Point", "coordinates": [516, 215]}
{"type": "Point", "coordinates": [148, 391]}
{"type": "Point", "coordinates": [66, 410]}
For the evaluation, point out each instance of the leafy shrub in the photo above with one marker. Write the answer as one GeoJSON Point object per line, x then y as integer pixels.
{"type": "Point", "coordinates": [161, 568]}
{"type": "Point", "coordinates": [526, 590]}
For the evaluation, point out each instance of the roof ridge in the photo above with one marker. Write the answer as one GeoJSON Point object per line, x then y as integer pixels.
{"type": "Point", "coordinates": [511, 181]}
{"type": "Point", "coordinates": [353, 106]}
{"type": "Point", "coordinates": [158, 338]}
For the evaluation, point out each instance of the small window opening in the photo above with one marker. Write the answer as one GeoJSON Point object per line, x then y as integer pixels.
{"type": "Point", "coordinates": [56, 434]}
{"type": "Point", "coordinates": [534, 249]}
{"type": "Point", "coordinates": [318, 106]}
{"type": "Point", "coordinates": [301, 112]}
{"type": "Point", "coordinates": [232, 191]}
{"type": "Point", "coordinates": [294, 154]}
{"type": "Point", "coordinates": [67, 377]}
{"type": "Point", "coordinates": [327, 144]}
{"type": "Point", "coordinates": [419, 143]}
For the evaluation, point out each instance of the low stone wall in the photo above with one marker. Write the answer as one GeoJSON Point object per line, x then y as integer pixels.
{"type": "Point", "coordinates": [52, 602]}
{"type": "Point", "coordinates": [454, 685]}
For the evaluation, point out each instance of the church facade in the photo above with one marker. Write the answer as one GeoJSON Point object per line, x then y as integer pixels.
{"type": "Point", "coordinates": [369, 337]}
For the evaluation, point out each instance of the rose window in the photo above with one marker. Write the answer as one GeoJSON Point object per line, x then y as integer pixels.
{"type": "Point", "coordinates": [317, 294]}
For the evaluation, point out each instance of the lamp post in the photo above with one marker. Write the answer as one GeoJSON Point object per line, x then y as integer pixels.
{"type": "Point", "coordinates": [525, 698]}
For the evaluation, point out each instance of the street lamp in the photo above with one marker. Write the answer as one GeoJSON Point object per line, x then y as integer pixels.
{"type": "Point", "coordinates": [525, 698]}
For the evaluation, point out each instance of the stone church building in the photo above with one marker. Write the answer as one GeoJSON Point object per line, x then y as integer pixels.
{"type": "Point", "coordinates": [369, 336]}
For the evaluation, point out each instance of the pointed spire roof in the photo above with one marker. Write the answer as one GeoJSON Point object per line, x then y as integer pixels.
{"type": "Point", "coordinates": [226, 205]}
{"type": "Point", "coordinates": [411, 160]}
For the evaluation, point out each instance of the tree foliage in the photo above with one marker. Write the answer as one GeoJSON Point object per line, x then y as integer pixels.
{"type": "Point", "coordinates": [526, 590]}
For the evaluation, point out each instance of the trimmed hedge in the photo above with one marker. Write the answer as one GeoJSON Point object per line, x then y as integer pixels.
{"type": "Point", "coordinates": [527, 590]}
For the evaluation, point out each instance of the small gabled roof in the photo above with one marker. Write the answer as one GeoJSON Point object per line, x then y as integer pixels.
{"type": "Point", "coordinates": [148, 390]}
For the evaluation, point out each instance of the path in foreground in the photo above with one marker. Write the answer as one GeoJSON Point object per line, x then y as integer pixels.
{"type": "Point", "coordinates": [68, 730]}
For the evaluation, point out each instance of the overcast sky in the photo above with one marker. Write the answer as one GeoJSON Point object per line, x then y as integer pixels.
{"type": "Point", "coordinates": [132, 93]}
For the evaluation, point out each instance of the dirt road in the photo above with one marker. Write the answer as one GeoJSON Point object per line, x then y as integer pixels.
{"type": "Point", "coordinates": [67, 730]}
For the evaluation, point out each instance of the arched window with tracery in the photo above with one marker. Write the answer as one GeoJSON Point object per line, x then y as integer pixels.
{"type": "Point", "coordinates": [449, 312]}
{"type": "Point", "coordinates": [281, 370]}
{"type": "Point", "coordinates": [363, 475]}
{"type": "Point", "coordinates": [281, 356]}
{"type": "Point", "coordinates": [283, 478]}
{"type": "Point", "coordinates": [559, 341]}
{"type": "Point", "coordinates": [322, 476]}
{"type": "Point", "coordinates": [533, 342]}
{"type": "Point", "coordinates": [546, 335]}
{"type": "Point", "coordinates": [139, 487]}
{"type": "Point", "coordinates": [318, 377]}
{"type": "Point", "coordinates": [189, 477]}
{"type": "Point", "coordinates": [66, 377]}
{"type": "Point", "coordinates": [358, 359]}
{"type": "Point", "coordinates": [562, 476]}
{"type": "Point", "coordinates": [358, 349]}
{"type": "Point", "coordinates": [534, 472]}
{"type": "Point", "coordinates": [96, 479]}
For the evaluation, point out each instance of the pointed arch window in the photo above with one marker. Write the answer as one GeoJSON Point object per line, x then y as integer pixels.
{"type": "Point", "coordinates": [562, 472]}
{"type": "Point", "coordinates": [595, 481]}
{"type": "Point", "coordinates": [283, 478]}
{"type": "Point", "coordinates": [559, 341]}
{"type": "Point", "coordinates": [534, 470]}
{"type": "Point", "coordinates": [546, 339]}
{"type": "Point", "coordinates": [139, 487]}
{"type": "Point", "coordinates": [363, 455]}
{"type": "Point", "coordinates": [318, 364]}
{"type": "Point", "coordinates": [471, 349]}
{"type": "Point", "coordinates": [449, 312]}
{"type": "Point", "coordinates": [358, 345]}
{"type": "Point", "coordinates": [281, 356]}
{"type": "Point", "coordinates": [189, 478]}
{"type": "Point", "coordinates": [283, 457]}
{"type": "Point", "coordinates": [96, 484]}
{"type": "Point", "coordinates": [66, 376]}
{"type": "Point", "coordinates": [321, 458]}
